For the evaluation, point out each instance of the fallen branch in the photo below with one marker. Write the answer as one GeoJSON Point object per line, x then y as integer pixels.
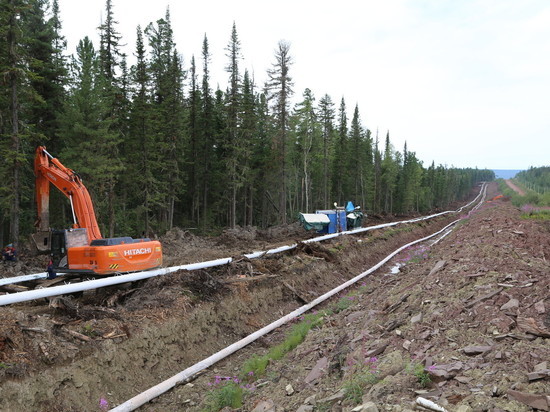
{"type": "Point", "coordinates": [247, 278]}
{"type": "Point", "coordinates": [295, 292]}
{"type": "Point", "coordinates": [78, 335]}
{"type": "Point", "coordinates": [39, 330]}
{"type": "Point", "coordinates": [481, 299]}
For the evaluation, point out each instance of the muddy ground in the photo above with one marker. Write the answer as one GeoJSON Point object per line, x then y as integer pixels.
{"type": "Point", "coordinates": [465, 323]}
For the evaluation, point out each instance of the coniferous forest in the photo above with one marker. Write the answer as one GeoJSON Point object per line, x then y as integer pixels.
{"type": "Point", "coordinates": [158, 147]}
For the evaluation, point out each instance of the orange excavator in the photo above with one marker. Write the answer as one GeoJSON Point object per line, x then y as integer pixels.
{"type": "Point", "coordinates": [82, 249]}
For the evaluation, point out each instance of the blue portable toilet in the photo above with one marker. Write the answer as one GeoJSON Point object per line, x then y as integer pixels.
{"type": "Point", "coordinates": [337, 219]}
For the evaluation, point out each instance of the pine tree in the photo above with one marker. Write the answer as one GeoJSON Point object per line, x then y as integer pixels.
{"type": "Point", "coordinates": [233, 143]}
{"type": "Point", "coordinates": [86, 129]}
{"type": "Point", "coordinates": [14, 75]}
{"type": "Point", "coordinates": [389, 176]}
{"type": "Point", "coordinates": [140, 162]}
{"type": "Point", "coordinates": [326, 118]}
{"type": "Point", "coordinates": [307, 147]}
{"type": "Point", "coordinates": [167, 99]}
{"type": "Point", "coordinates": [340, 177]}
{"type": "Point", "coordinates": [45, 44]}
{"type": "Point", "coordinates": [111, 60]}
{"type": "Point", "coordinates": [207, 135]}
{"type": "Point", "coordinates": [192, 150]}
{"type": "Point", "coordinates": [377, 177]}
{"type": "Point", "coordinates": [280, 89]}
{"type": "Point", "coordinates": [253, 150]}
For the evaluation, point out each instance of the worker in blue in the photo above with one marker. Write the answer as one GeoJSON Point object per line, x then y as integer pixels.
{"type": "Point", "coordinates": [51, 271]}
{"type": "Point", "coordinates": [9, 253]}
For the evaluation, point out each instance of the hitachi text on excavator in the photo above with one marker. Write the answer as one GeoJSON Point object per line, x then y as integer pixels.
{"type": "Point", "coordinates": [82, 249]}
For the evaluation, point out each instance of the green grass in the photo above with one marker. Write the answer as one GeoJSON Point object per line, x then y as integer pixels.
{"type": "Point", "coordinates": [257, 365]}
{"type": "Point", "coordinates": [537, 214]}
{"type": "Point", "coordinates": [229, 394]}
{"type": "Point", "coordinates": [362, 377]}
{"type": "Point", "coordinates": [421, 375]}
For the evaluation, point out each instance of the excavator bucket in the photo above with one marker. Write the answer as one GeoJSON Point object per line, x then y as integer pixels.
{"type": "Point", "coordinates": [42, 240]}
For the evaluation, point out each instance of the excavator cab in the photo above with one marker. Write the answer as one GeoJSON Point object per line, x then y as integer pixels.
{"type": "Point", "coordinates": [60, 243]}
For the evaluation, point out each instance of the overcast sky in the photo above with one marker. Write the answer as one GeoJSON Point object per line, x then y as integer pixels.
{"type": "Point", "coordinates": [464, 83]}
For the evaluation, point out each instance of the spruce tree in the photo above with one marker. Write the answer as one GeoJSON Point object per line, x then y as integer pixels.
{"type": "Point", "coordinates": [167, 121]}
{"type": "Point", "coordinates": [340, 176]}
{"type": "Point", "coordinates": [14, 76]}
{"type": "Point", "coordinates": [207, 152]}
{"type": "Point", "coordinates": [326, 118]}
{"type": "Point", "coordinates": [280, 88]}
{"type": "Point", "coordinates": [140, 161]}
{"type": "Point", "coordinates": [233, 143]}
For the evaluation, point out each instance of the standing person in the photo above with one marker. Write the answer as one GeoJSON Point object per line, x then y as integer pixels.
{"type": "Point", "coordinates": [51, 271]}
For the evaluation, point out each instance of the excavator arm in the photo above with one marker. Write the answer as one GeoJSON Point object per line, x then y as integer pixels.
{"type": "Point", "coordinates": [48, 170]}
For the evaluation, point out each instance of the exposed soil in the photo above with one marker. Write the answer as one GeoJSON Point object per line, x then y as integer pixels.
{"type": "Point", "coordinates": [473, 310]}
{"type": "Point", "coordinates": [515, 188]}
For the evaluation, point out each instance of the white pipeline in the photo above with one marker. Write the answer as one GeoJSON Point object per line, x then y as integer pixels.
{"type": "Point", "coordinates": [168, 384]}
{"type": "Point", "coordinates": [25, 278]}
{"type": "Point", "coordinates": [132, 277]}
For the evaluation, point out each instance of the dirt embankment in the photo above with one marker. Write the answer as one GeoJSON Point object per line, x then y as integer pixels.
{"type": "Point", "coordinates": [478, 324]}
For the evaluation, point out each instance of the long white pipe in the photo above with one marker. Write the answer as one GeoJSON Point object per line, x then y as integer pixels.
{"type": "Point", "coordinates": [132, 277]}
{"type": "Point", "coordinates": [168, 384]}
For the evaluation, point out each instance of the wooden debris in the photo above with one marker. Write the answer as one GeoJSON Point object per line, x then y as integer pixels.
{"type": "Point", "coordinates": [247, 278]}
{"type": "Point", "coordinates": [113, 300]}
{"type": "Point", "coordinates": [13, 288]}
{"type": "Point", "coordinates": [295, 292]}
{"type": "Point", "coordinates": [39, 330]}
{"type": "Point", "coordinates": [481, 299]}
{"type": "Point", "coordinates": [510, 305]}
{"type": "Point", "coordinates": [78, 335]}
{"type": "Point", "coordinates": [475, 275]}
{"type": "Point", "coordinates": [394, 306]}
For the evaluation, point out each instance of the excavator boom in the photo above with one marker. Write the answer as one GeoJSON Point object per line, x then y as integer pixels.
{"type": "Point", "coordinates": [82, 249]}
{"type": "Point", "coordinates": [48, 169]}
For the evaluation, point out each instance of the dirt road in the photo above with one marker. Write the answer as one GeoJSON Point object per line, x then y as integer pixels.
{"type": "Point", "coordinates": [514, 187]}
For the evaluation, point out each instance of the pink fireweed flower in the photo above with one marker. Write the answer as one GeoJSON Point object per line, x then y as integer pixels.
{"type": "Point", "coordinates": [103, 404]}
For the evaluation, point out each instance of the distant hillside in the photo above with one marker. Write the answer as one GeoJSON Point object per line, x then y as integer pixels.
{"type": "Point", "coordinates": [505, 174]}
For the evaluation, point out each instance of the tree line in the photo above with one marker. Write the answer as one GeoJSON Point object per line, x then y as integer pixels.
{"type": "Point", "coordinates": [157, 146]}
{"type": "Point", "coordinates": [536, 179]}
